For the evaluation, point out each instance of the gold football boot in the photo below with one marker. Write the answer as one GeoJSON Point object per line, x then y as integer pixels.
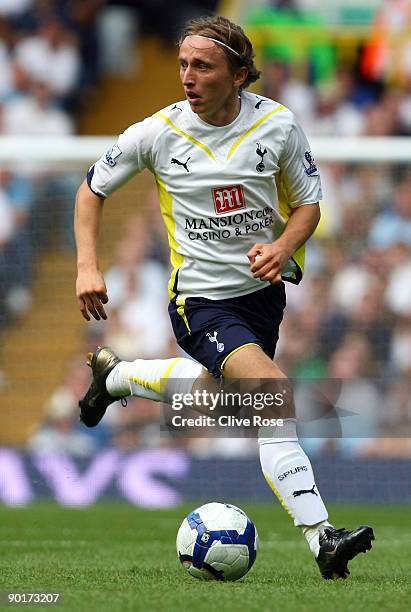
{"type": "Point", "coordinates": [95, 402]}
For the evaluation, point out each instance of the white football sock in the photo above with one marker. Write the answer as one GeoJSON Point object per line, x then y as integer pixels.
{"type": "Point", "coordinates": [312, 535]}
{"type": "Point", "coordinates": [288, 472]}
{"type": "Point", "coordinates": [155, 379]}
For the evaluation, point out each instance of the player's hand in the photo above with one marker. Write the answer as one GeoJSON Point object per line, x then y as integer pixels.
{"type": "Point", "coordinates": [268, 260]}
{"type": "Point", "coordinates": [91, 293]}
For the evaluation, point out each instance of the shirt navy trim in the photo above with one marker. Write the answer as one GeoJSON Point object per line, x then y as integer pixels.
{"type": "Point", "coordinates": [298, 275]}
{"type": "Point", "coordinates": [90, 175]}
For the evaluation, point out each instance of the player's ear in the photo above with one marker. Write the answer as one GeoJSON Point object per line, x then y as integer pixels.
{"type": "Point", "coordinates": [240, 76]}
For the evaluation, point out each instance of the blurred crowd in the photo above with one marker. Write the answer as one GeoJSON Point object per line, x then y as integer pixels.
{"type": "Point", "coordinates": [49, 68]}
{"type": "Point", "coordinates": [339, 82]}
{"type": "Point", "coordinates": [349, 320]}
{"type": "Point", "coordinates": [53, 56]}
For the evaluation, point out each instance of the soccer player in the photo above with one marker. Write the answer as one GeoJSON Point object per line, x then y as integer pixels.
{"type": "Point", "coordinates": [239, 192]}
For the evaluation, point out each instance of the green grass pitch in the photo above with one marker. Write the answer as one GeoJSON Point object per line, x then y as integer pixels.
{"type": "Point", "coordinates": [116, 557]}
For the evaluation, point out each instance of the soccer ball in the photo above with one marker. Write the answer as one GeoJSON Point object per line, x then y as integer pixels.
{"type": "Point", "coordinates": [217, 542]}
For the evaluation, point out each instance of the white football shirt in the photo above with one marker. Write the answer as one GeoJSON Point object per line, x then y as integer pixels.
{"type": "Point", "coordinates": [221, 189]}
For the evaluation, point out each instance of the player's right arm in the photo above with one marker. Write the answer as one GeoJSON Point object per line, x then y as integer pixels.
{"type": "Point", "coordinates": [90, 286]}
{"type": "Point", "coordinates": [130, 155]}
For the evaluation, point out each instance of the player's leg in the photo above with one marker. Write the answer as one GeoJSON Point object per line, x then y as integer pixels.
{"type": "Point", "coordinates": [155, 379]}
{"type": "Point", "coordinates": [285, 465]}
{"type": "Point", "coordinates": [289, 473]}
{"type": "Point", "coordinates": [197, 323]}
{"type": "Point", "coordinates": [223, 341]}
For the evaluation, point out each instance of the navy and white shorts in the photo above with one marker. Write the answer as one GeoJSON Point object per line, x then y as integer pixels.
{"type": "Point", "coordinates": [210, 331]}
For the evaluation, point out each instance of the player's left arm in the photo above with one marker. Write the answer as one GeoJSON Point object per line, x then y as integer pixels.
{"type": "Point", "coordinates": [298, 184]}
{"type": "Point", "coordinates": [268, 260]}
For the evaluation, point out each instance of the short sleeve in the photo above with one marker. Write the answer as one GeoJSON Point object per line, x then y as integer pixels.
{"type": "Point", "coordinates": [298, 175]}
{"type": "Point", "coordinates": [129, 156]}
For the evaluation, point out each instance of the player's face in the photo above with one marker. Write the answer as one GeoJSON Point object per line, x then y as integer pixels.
{"type": "Point", "coordinates": [210, 86]}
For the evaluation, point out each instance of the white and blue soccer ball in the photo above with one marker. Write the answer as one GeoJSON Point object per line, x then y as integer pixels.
{"type": "Point", "coordinates": [217, 542]}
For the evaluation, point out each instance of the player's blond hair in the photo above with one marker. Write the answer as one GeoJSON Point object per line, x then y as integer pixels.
{"type": "Point", "coordinates": [230, 34]}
